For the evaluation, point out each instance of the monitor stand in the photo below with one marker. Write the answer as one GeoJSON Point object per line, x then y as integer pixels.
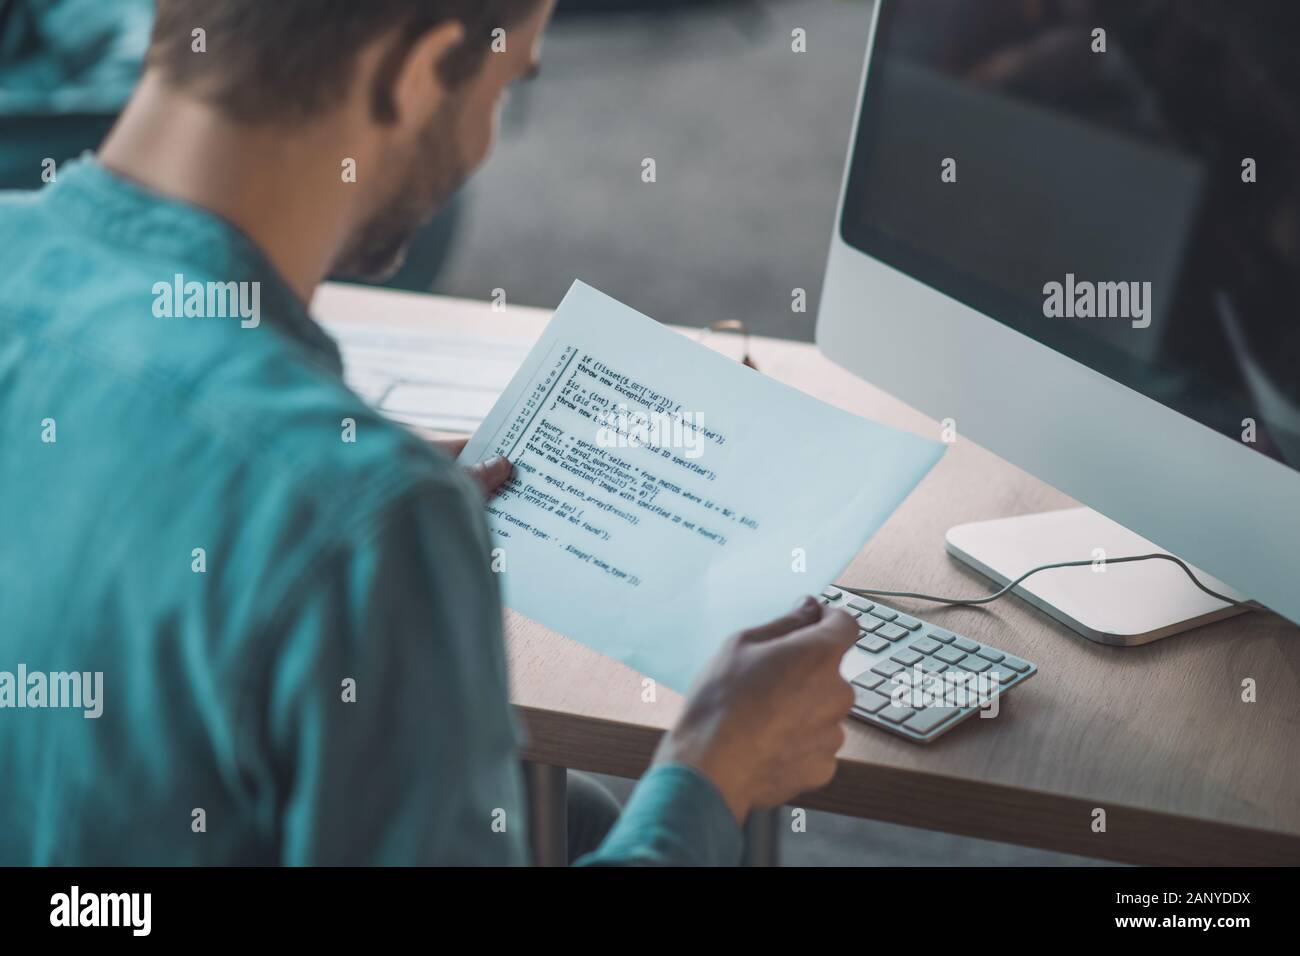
{"type": "Point", "coordinates": [1124, 604]}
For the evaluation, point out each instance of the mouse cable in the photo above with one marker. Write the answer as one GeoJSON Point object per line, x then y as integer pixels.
{"type": "Point", "coordinates": [865, 592]}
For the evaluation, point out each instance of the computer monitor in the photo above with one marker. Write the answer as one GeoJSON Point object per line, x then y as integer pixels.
{"type": "Point", "coordinates": [1073, 228]}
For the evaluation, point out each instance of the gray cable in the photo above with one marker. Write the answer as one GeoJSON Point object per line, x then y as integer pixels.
{"type": "Point", "coordinates": [864, 592]}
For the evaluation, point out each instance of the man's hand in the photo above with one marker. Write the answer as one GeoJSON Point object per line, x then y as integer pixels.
{"type": "Point", "coordinates": [488, 475]}
{"type": "Point", "coordinates": [763, 722]}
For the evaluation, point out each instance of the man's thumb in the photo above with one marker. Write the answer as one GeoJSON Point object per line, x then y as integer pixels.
{"type": "Point", "coordinates": [491, 474]}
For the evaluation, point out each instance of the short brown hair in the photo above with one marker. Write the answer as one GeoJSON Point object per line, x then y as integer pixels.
{"type": "Point", "coordinates": [290, 59]}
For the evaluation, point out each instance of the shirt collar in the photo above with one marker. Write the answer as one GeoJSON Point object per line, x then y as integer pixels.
{"type": "Point", "coordinates": [127, 215]}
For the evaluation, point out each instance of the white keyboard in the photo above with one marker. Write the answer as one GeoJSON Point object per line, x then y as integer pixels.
{"type": "Point", "coordinates": [918, 680]}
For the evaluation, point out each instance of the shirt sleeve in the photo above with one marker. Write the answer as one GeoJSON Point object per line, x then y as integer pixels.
{"type": "Point", "coordinates": [676, 817]}
{"type": "Point", "coordinates": [390, 732]}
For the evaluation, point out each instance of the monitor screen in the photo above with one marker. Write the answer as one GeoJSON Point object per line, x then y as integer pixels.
{"type": "Point", "coordinates": [1117, 179]}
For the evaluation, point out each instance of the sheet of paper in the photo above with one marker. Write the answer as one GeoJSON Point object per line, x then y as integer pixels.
{"type": "Point", "coordinates": [666, 496]}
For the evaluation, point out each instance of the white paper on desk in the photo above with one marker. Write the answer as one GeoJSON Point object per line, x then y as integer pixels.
{"type": "Point", "coordinates": [650, 555]}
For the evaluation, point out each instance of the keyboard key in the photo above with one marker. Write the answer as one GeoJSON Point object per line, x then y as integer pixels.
{"type": "Point", "coordinates": [887, 686]}
{"type": "Point", "coordinates": [906, 657]}
{"type": "Point", "coordinates": [887, 668]}
{"type": "Point", "coordinates": [966, 644]}
{"type": "Point", "coordinates": [884, 613]}
{"type": "Point", "coordinates": [949, 655]}
{"type": "Point", "coordinates": [974, 664]}
{"type": "Point", "coordinates": [924, 721]}
{"type": "Point", "coordinates": [868, 624]}
{"type": "Point", "coordinates": [926, 646]}
{"type": "Point", "coordinates": [965, 695]}
{"type": "Point", "coordinates": [868, 680]}
{"type": "Point", "coordinates": [872, 645]}
{"type": "Point", "coordinates": [891, 632]}
{"type": "Point", "coordinates": [989, 654]}
{"type": "Point", "coordinates": [940, 635]}
{"type": "Point", "coordinates": [931, 667]}
{"type": "Point", "coordinates": [911, 623]}
{"type": "Point", "coordinates": [862, 604]}
{"type": "Point", "coordinates": [896, 715]}
{"type": "Point", "coordinates": [1015, 663]}
{"type": "Point", "coordinates": [904, 678]}
{"type": "Point", "coordinates": [1005, 676]}
{"type": "Point", "coordinates": [868, 700]}
{"type": "Point", "coordinates": [832, 595]}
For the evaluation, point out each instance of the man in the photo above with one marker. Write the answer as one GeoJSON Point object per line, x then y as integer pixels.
{"type": "Point", "coordinates": [289, 599]}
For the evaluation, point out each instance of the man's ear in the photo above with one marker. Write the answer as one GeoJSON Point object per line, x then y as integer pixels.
{"type": "Point", "coordinates": [408, 82]}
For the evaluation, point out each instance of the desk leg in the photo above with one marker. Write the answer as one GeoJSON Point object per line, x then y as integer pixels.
{"type": "Point", "coordinates": [548, 813]}
{"type": "Point", "coordinates": [762, 838]}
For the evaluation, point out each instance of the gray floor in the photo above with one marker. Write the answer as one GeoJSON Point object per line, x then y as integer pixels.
{"type": "Point", "coordinates": [749, 141]}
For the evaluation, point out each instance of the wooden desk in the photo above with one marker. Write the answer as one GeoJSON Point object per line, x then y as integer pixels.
{"type": "Point", "coordinates": [1157, 736]}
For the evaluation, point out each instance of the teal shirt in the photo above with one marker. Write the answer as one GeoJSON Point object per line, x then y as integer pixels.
{"type": "Point", "coordinates": [299, 635]}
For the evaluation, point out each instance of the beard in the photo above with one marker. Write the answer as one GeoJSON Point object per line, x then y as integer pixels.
{"type": "Point", "coordinates": [377, 249]}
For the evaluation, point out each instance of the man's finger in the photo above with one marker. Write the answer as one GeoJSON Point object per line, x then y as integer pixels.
{"type": "Point", "coordinates": [452, 446]}
{"type": "Point", "coordinates": [806, 612]}
{"type": "Point", "coordinates": [491, 474]}
{"type": "Point", "coordinates": [835, 629]}
{"type": "Point", "coordinates": [826, 742]}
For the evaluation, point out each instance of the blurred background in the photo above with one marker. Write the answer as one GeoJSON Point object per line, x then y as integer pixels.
{"type": "Point", "coordinates": [749, 140]}
{"type": "Point", "coordinates": [748, 137]}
